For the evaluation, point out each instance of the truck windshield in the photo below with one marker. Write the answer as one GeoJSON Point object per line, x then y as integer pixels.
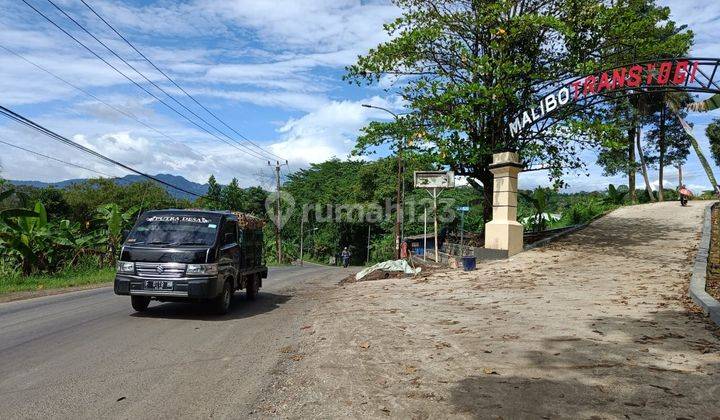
{"type": "Point", "coordinates": [174, 230]}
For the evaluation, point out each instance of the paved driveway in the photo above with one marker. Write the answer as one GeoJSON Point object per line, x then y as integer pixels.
{"type": "Point", "coordinates": [593, 325]}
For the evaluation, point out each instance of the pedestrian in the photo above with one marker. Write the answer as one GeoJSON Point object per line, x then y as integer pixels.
{"type": "Point", "coordinates": [345, 257]}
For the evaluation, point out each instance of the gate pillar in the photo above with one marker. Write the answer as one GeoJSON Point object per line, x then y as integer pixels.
{"type": "Point", "coordinates": [504, 232]}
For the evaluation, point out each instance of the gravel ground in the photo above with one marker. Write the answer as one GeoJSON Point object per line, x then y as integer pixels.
{"type": "Point", "coordinates": [593, 326]}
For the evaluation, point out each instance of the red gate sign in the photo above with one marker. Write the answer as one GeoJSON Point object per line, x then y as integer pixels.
{"type": "Point", "coordinates": [656, 74]}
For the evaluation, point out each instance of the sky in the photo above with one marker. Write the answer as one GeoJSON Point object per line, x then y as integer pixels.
{"type": "Point", "coordinates": [271, 70]}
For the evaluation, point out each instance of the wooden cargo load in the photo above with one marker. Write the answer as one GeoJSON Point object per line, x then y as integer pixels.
{"type": "Point", "coordinates": [248, 221]}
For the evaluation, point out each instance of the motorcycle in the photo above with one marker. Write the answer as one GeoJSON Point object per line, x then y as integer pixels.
{"type": "Point", "coordinates": [685, 195]}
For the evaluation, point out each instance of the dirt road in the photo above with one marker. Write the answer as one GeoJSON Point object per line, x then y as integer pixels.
{"type": "Point", "coordinates": [89, 355]}
{"type": "Point", "coordinates": [593, 326]}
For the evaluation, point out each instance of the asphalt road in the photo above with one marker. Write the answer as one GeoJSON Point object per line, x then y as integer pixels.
{"type": "Point", "coordinates": [88, 354]}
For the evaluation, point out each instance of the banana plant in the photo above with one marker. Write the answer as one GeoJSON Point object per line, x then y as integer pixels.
{"type": "Point", "coordinates": [23, 231]}
{"type": "Point", "coordinates": [614, 196]}
{"type": "Point", "coordinates": [538, 199]}
{"type": "Point", "coordinates": [69, 235]}
{"type": "Point", "coordinates": [115, 220]}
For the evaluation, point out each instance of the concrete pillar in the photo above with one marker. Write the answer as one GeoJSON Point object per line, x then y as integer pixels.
{"type": "Point", "coordinates": [504, 232]}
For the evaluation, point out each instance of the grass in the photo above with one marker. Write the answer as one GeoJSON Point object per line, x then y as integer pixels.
{"type": "Point", "coordinates": [68, 278]}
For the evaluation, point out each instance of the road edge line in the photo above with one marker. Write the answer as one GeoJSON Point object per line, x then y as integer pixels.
{"type": "Point", "coordinates": [697, 293]}
{"type": "Point", "coordinates": [38, 294]}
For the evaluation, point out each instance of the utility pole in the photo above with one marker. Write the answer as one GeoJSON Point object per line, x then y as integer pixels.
{"type": "Point", "coordinates": [399, 192]}
{"type": "Point", "coordinates": [278, 242]}
{"type": "Point", "coordinates": [399, 213]}
{"type": "Point", "coordinates": [402, 200]}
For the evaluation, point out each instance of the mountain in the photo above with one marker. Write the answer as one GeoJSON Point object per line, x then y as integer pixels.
{"type": "Point", "coordinates": [129, 179]}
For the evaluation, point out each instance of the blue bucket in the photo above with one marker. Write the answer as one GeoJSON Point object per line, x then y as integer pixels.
{"type": "Point", "coordinates": [468, 263]}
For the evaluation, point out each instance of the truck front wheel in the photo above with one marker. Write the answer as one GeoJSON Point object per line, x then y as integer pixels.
{"type": "Point", "coordinates": [140, 303]}
{"type": "Point", "coordinates": [221, 304]}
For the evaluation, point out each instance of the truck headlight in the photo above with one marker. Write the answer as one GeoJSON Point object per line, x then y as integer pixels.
{"type": "Point", "coordinates": [201, 269]}
{"type": "Point", "coordinates": [125, 267]}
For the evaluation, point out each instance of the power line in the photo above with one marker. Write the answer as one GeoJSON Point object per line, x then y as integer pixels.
{"type": "Point", "coordinates": [133, 81]}
{"type": "Point", "coordinates": [99, 41]}
{"type": "Point", "coordinates": [247, 150]}
{"type": "Point", "coordinates": [127, 114]}
{"type": "Point", "coordinates": [177, 85]}
{"type": "Point", "coordinates": [32, 124]}
{"type": "Point", "coordinates": [56, 159]}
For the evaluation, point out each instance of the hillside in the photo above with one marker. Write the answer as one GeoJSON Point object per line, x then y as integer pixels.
{"type": "Point", "coordinates": [129, 179]}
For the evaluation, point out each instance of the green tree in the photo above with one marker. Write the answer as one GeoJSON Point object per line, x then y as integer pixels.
{"type": "Point", "coordinates": [232, 197]}
{"type": "Point", "coordinates": [669, 144]}
{"type": "Point", "coordinates": [254, 202]}
{"type": "Point", "coordinates": [214, 193]}
{"type": "Point", "coordinates": [634, 30]}
{"type": "Point", "coordinates": [466, 68]}
{"type": "Point", "coordinates": [713, 134]}
{"type": "Point", "coordinates": [85, 197]}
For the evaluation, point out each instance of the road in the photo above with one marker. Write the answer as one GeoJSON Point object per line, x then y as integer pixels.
{"type": "Point", "coordinates": [88, 354]}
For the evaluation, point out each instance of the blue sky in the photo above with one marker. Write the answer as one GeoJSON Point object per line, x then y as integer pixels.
{"type": "Point", "coordinates": [271, 69]}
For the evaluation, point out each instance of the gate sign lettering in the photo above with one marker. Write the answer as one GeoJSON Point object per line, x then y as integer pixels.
{"type": "Point", "coordinates": [657, 74]}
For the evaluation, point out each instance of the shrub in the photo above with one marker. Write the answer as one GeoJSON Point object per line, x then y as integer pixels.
{"type": "Point", "coordinates": [585, 210]}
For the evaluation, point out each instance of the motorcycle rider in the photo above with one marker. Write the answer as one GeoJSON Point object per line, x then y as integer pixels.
{"type": "Point", "coordinates": [685, 195]}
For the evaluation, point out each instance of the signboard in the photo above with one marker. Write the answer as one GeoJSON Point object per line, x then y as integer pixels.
{"type": "Point", "coordinates": [434, 179]}
{"type": "Point", "coordinates": [463, 209]}
{"type": "Point", "coordinates": [657, 74]}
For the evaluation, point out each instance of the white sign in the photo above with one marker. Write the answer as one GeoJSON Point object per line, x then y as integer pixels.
{"type": "Point", "coordinates": [434, 179]}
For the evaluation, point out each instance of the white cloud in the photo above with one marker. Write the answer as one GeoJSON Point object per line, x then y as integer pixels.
{"type": "Point", "coordinates": [327, 132]}
{"type": "Point", "coordinates": [145, 154]}
{"type": "Point", "coordinates": [277, 58]}
{"type": "Point", "coordinates": [701, 16]}
{"type": "Point", "coordinates": [282, 99]}
{"type": "Point", "coordinates": [237, 56]}
{"type": "Point", "coordinates": [309, 24]}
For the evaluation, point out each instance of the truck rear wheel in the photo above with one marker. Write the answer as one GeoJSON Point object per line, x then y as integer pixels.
{"type": "Point", "coordinates": [221, 304]}
{"type": "Point", "coordinates": [140, 303]}
{"type": "Point", "coordinates": [252, 288]}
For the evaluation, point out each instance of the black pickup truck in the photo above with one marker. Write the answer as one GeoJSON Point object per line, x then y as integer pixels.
{"type": "Point", "coordinates": [191, 255]}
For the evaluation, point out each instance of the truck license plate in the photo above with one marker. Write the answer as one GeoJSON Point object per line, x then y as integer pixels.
{"type": "Point", "coordinates": [158, 285]}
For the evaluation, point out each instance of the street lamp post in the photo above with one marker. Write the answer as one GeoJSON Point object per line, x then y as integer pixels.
{"type": "Point", "coordinates": [399, 213]}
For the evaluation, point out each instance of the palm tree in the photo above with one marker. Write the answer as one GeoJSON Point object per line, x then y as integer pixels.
{"type": "Point", "coordinates": [675, 103]}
